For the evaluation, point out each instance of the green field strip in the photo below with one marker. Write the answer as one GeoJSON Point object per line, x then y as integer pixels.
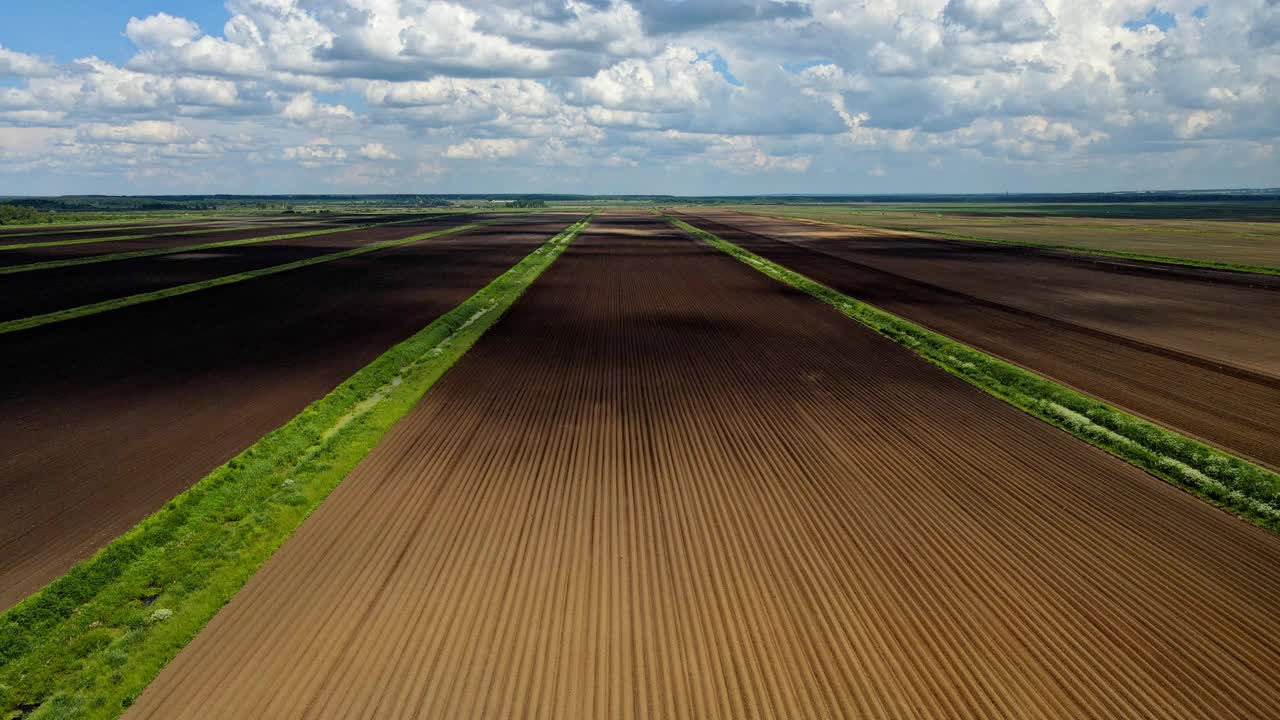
{"type": "Point", "coordinates": [87, 644]}
{"type": "Point", "coordinates": [1250, 491]}
{"type": "Point", "coordinates": [179, 290]}
{"type": "Point", "coordinates": [1162, 259]}
{"type": "Point", "coordinates": [153, 252]}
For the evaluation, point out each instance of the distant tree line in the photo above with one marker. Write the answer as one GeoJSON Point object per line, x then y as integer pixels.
{"type": "Point", "coordinates": [528, 203]}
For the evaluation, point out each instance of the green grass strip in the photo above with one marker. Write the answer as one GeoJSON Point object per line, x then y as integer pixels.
{"type": "Point", "coordinates": [153, 252]}
{"type": "Point", "coordinates": [86, 645]}
{"type": "Point", "coordinates": [80, 311]}
{"type": "Point", "coordinates": [1236, 485]}
{"type": "Point", "coordinates": [1165, 259]}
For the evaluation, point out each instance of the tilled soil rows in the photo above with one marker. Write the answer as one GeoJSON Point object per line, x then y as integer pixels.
{"type": "Point", "coordinates": [1066, 318]}
{"type": "Point", "coordinates": [109, 416]}
{"type": "Point", "coordinates": [666, 486]}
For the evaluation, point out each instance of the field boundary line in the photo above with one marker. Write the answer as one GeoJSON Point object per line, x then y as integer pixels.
{"type": "Point", "coordinates": [155, 252]}
{"type": "Point", "coordinates": [1120, 254]}
{"type": "Point", "coordinates": [87, 644]}
{"type": "Point", "coordinates": [1236, 485]}
{"type": "Point", "coordinates": [80, 311]}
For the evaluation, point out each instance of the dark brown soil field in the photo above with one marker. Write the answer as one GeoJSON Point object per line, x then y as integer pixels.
{"type": "Point", "coordinates": [61, 233]}
{"type": "Point", "coordinates": [109, 416]}
{"type": "Point", "coordinates": [1104, 327]}
{"type": "Point", "coordinates": [42, 291]}
{"type": "Point", "coordinates": [1255, 242]}
{"type": "Point", "coordinates": [666, 486]}
{"type": "Point", "coordinates": [53, 233]}
{"type": "Point", "coordinates": [165, 238]}
{"type": "Point", "coordinates": [65, 252]}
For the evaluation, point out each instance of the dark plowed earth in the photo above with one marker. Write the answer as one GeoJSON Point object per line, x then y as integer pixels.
{"type": "Point", "coordinates": [55, 233]}
{"type": "Point", "coordinates": [1233, 407]}
{"type": "Point", "coordinates": [1228, 317]}
{"type": "Point", "coordinates": [164, 238]}
{"type": "Point", "coordinates": [42, 291]}
{"type": "Point", "coordinates": [107, 417]}
{"type": "Point", "coordinates": [665, 486]}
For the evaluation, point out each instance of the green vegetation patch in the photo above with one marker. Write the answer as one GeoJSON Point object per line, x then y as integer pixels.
{"type": "Point", "coordinates": [87, 645]}
{"type": "Point", "coordinates": [11, 214]}
{"type": "Point", "coordinates": [130, 300]}
{"type": "Point", "coordinates": [1227, 481]}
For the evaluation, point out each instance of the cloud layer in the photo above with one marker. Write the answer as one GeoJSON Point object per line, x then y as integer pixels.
{"type": "Point", "coordinates": [698, 96]}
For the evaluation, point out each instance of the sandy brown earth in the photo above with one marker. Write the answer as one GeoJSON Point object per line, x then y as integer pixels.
{"type": "Point", "coordinates": [108, 417]}
{"type": "Point", "coordinates": [41, 291]}
{"type": "Point", "coordinates": [1117, 330]}
{"type": "Point", "coordinates": [665, 486]}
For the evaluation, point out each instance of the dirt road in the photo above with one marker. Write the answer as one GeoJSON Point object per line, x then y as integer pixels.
{"type": "Point", "coordinates": [665, 486]}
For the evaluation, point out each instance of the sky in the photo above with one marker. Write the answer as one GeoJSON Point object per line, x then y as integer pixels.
{"type": "Point", "coordinates": [691, 97]}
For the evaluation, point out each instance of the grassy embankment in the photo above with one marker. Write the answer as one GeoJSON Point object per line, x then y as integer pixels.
{"type": "Point", "coordinates": [32, 321]}
{"type": "Point", "coordinates": [153, 252]}
{"type": "Point", "coordinates": [86, 645]}
{"type": "Point", "coordinates": [887, 223]}
{"type": "Point", "coordinates": [1229, 482]}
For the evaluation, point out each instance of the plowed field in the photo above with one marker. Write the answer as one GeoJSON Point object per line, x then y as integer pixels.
{"type": "Point", "coordinates": [665, 486]}
{"type": "Point", "coordinates": [41, 291]}
{"type": "Point", "coordinates": [55, 233]}
{"type": "Point", "coordinates": [76, 245]}
{"type": "Point", "coordinates": [1197, 351]}
{"type": "Point", "coordinates": [108, 417]}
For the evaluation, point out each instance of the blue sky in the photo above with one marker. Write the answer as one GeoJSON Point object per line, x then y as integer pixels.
{"type": "Point", "coordinates": [681, 96]}
{"type": "Point", "coordinates": [88, 27]}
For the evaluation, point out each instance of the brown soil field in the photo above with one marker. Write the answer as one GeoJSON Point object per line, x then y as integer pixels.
{"type": "Point", "coordinates": [1111, 330]}
{"type": "Point", "coordinates": [666, 486]}
{"type": "Point", "coordinates": [66, 252]}
{"type": "Point", "coordinates": [72, 231]}
{"type": "Point", "coordinates": [42, 291]}
{"type": "Point", "coordinates": [165, 238]}
{"type": "Point", "coordinates": [1229, 241]}
{"type": "Point", "coordinates": [108, 417]}
{"type": "Point", "coordinates": [58, 233]}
